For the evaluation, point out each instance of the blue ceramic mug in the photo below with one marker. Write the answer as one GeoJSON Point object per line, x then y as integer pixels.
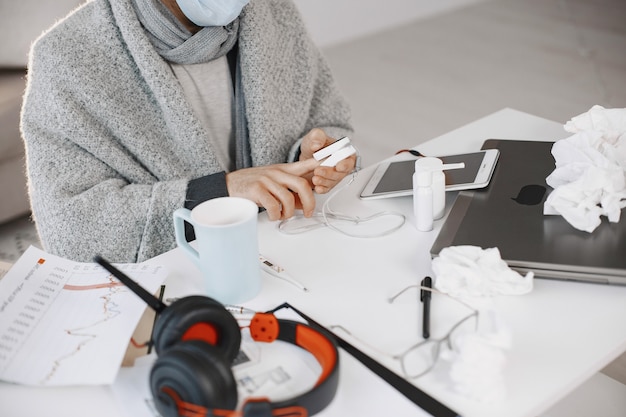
{"type": "Point", "coordinates": [227, 246]}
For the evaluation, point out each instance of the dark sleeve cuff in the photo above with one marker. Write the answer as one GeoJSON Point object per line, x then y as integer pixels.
{"type": "Point", "coordinates": [296, 156]}
{"type": "Point", "coordinates": [205, 188]}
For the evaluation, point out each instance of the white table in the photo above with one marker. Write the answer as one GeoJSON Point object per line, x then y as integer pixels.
{"type": "Point", "coordinates": [563, 332]}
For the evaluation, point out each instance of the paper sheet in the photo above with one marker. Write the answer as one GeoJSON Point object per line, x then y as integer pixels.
{"type": "Point", "coordinates": [65, 322]}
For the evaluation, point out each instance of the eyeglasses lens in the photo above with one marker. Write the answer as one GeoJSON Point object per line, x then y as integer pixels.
{"type": "Point", "coordinates": [465, 327]}
{"type": "Point", "coordinates": [423, 357]}
{"type": "Point", "coordinates": [419, 360]}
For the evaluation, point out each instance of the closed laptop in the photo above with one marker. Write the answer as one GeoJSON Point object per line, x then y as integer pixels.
{"type": "Point", "coordinates": [508, 214]}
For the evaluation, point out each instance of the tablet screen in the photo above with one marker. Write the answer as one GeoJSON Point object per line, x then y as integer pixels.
{"type": "Point", "coordinates": [399, 175]}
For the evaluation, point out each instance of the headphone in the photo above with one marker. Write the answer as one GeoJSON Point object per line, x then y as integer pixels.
{"type": "Point", "coordinates": [197, 339]}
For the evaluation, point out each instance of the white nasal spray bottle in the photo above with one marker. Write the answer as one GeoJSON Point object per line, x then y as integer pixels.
{"type": "Point", "coordinates": [429, 191]}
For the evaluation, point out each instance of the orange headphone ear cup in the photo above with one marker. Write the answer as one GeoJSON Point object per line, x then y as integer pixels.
{"type": "Point", "coordinates": [193, 372]}
{"type": "Point", "coordinates": [177, 320]}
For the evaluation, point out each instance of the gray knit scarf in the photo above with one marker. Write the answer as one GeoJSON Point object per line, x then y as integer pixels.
{"type": "Point", "coordinates": [176, 44]}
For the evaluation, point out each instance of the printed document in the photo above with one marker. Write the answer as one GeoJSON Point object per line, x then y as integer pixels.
{"type": "Point", "coordinates": [65, 322]}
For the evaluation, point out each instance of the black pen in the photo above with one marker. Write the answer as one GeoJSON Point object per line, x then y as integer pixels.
{"type": "Point", "coordinates": [425, 297]}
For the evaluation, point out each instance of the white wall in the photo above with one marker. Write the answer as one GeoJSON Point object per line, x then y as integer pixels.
{"type": "Point", "coordinates": [329, 21]}
{"type": "Point", "coordinates": [22, 21]}
{"type": "Point", "coordinates": [335, 21]}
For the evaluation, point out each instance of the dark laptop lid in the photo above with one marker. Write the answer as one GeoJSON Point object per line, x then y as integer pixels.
{"type": "Point", "coordinates": [508, 214]}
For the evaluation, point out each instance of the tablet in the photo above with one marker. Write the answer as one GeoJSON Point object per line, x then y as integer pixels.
{"type": "Point", "coordinates": [395, 179]}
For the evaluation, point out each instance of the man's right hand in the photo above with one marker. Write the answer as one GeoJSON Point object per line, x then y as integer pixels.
{"type": "Point", "coordinates": [280, 188]}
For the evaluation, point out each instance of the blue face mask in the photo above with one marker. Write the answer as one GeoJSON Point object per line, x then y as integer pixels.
{"type": "Point", "coordinates": [211, 12]}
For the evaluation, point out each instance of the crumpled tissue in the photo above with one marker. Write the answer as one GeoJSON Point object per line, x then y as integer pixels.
{"type": "Point", "coordinates": [470, 271]}
{"type": "Point", "coordinates": [590, 176]}
{"type": "Point", "coordinates": [477, 364]}
{"type": "Point", "coordinates": [473, 274]}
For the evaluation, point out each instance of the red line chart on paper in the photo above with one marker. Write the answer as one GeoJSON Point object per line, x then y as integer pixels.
{"type": "Point", "coordinates": [67, 323]}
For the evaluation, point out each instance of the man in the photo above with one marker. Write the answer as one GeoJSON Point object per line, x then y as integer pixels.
{"type": "Point", "coordinates": [135, 108]}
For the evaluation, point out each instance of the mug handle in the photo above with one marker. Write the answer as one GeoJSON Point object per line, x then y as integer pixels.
{"type": "Point", "coordinates": [180, 216]}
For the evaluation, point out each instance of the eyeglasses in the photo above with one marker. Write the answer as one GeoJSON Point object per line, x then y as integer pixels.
{"type": "Point", "coordinates": [421, 358]}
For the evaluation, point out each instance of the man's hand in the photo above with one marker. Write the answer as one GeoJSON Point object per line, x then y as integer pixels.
{"type": "Point", "coordinates": [324, 178]}
{"type": "Point", "coordinates": [280, 189]}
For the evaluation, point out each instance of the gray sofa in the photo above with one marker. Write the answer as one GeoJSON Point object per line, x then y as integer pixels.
{"type": "Point", "coordinates": [13, 197]}
{"type": "Point", "coordinates": [20, 23]}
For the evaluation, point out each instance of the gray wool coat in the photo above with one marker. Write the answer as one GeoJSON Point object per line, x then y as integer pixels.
{"type": "Point", "coordinates": [112, 143]}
